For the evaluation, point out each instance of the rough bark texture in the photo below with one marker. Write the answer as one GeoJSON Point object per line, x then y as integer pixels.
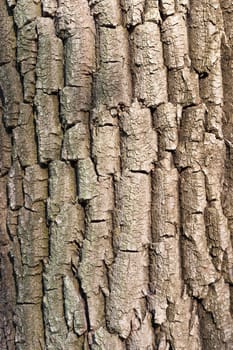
{"type": "Point", "coordinates": [116, 184]}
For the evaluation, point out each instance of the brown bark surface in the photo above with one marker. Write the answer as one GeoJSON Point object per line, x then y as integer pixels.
{"type": "Point", "coordinates": [116, 179]}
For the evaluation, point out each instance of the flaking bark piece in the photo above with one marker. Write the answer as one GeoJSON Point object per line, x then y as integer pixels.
{"type": "Point", "coordinates": [132, 231]}
{"type": "Point", "coordinates": [62, 300]}
{"type": "Point", "coordinates": [175, 41]}
{"type": "Point", "coordinates": [113, 78]}
{"type": "Point", "coordinates": [29, 314]}
{"type": "Point", "coordinates": [5, 149]}
{"type": "Point", "coordinates": [183, 87]}
{"type": "Point", "coordinates": [96, 256]}
{"type": "Point", "coordinates": [126, 300]}
{"type": "Point", "coordinates": [62, 187]}
{"type": "Point", "coordinates": [33, 235]}
{"type": "Point", "coordinates": [139, 139]}
{"type": "Point", "coordinates": [35, 185]}
{"type": "Point", "coordinates": [49, 66]}
{"type": "Point", "coordinates": [142, 337]}
{"type": "Point", "coordinates": [86, 179]}
{"type": "Point", "coordinates": [48, 128]}
{"type": "Point", "coordinates": [134, 11]}
{"type": "Point", "coordinates": [27, 47]}
{"type": "Point", "coordinates": [106, 149]}
{"type": "Point", "coordinates": [73, 17]}
{"type": "Point", "coordinates": [49, 7]}
{"type": "Point", "coordinates": [167, 7]}
{"type": "Point", "coordinates": [205, 31]}
{"type": "Point", "coordinates": [24, 137]}
{"type": "Point", "coordinates": [150, 77]}
{"type": "Point", "coordinates": [211, 88]}
{"type": "Point", "coordinates": [7, 35]}
{"type": "Point", "coordinates": [15, 186]}
{"type": "Point", "coordinates": [26, 11]}
{"type": "Point", "coordinates": [165, 213]}
{"type": "Point", "coordinates": [152, 13]}
{"type": "Point", "coordinates": [102, 338]}
{"type": "Point", "coordinates": [75, 104]}
{"type": "Point", "coordinates": [12, 94]}
{"type": "Point", "coordinates": [194, 243]}
{"type": "Point", "coordinates": [76, 142]}
{"type": "Point", "coordinates": [101, 206]}
{"type": "Point", "coordinates": [27, 57]}
{"type": "Point", "coordinates": [106, 12]}
{"type": "Point", "coordinates": [74, 306]}
{"type": "Point", "coordinates": [190, 152]}
{"type": "Point", "coordinates": [79, 53]}
{"type": "Point", "coordinates": [166, 124]}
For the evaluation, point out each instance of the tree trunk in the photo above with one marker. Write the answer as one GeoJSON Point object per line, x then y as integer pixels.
{"type": "Point", "coordinates": [116, 174]}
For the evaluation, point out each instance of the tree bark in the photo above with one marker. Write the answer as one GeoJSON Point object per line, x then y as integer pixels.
{"type": "Point", "coordinates": [116, 220]}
